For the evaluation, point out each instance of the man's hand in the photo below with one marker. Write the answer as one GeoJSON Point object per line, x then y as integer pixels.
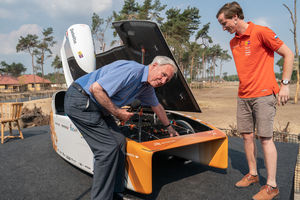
{"type": "Point", "coordinates": [161, 113]}
{"type": "Point", "coordinates": [172, 131]}
{"type": "Point", "coordinates": [283, 95]}
{"type": "Point", "coordinates": [124, 115]}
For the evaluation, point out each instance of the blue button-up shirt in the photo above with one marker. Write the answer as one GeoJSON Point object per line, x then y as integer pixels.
{"type": "Point", "coordinates": [124, 81]}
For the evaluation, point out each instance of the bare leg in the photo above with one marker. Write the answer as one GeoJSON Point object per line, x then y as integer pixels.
{"type": "Point", "coordinates": [270, 155]}
{"type": "Point", "coordinates": [250, 151]}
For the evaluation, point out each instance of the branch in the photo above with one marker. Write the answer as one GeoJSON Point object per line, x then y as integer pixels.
{"type": "Point", "coordinates": [292, 17]}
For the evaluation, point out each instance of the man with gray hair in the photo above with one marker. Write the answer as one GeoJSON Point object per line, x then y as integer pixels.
{"type": "Point", "coordinates": [91, 101]}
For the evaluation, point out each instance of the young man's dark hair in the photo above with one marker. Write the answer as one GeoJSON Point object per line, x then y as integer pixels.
{"type": "Point", "coordinates": [230, 10]}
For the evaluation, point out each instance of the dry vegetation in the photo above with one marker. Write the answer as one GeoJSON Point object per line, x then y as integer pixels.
{"type": "Point", "coordinates": [36, 113]}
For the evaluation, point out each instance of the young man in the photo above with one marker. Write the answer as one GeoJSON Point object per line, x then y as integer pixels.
{"type": "Point", "coordinates": [253, 48]}
{"type": "Point", "coordinates": [90, 103]}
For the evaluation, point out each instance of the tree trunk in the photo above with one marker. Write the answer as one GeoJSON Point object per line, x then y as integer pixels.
{"type": "Point", "coordinates": [214, 67]}
{"type": "Point", "coordinates": [297, 53]}
{"type": "Point", "coordinates": [103, 46]}
{"type": "Point", "coordinates": [203, 65]}
{"type": "Point", "coordinates": [191, 71]}
{"type": "Point", "coordinates": [42, 65]}
{"type": "Point", "coordinates": [33, 70]}
{"type": "Point", "coordinates": [221, 71]}
{"type": "Point", "coordinates": [294, 21]}
{"type": "Point", "coordinates": [297, 85]}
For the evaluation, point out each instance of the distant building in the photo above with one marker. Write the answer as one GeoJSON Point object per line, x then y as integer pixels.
{"type": "Point", "coordinates": [34, 82]}
{"type": "Point", "coordinates": [9, 84]}
{"type": "Point", "coordinates": [23, 83]}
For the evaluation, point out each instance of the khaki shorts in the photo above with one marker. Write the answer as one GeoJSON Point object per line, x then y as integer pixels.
{"type": "Point", "coordinates": [256, 113]}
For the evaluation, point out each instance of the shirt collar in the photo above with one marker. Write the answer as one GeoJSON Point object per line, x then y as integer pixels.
{"type": "Point", "coordinates": [247, 32]}
{"type": "Point", "coordinates": [145, 74]}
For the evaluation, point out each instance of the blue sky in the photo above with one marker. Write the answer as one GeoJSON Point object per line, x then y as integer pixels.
{"type": "Point", "coordinates": [22, 17]}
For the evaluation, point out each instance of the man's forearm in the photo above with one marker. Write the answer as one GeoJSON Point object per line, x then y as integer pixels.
{"type": "Point", "coordinates": [288, 58]}
{"type": "Point", "coordinates": [161, 113]}
{"type": "Point", "coordinates": [287, 68]}
{"type": "Point", "coordinates": [101, 96]}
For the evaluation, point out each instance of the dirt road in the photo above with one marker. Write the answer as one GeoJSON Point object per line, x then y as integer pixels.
{"type": "Point", "coordinates": [218, 105]}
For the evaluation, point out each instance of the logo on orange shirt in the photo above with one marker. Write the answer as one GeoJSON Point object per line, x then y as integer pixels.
{"type": "Point", "coordinates": [247, 48]}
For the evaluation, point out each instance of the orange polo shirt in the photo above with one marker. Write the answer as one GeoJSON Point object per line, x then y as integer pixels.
{"type": "Point", "coordinates": [253, 54]}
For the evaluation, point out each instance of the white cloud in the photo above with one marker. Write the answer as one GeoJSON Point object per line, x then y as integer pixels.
{"type": "Point", "coordinates": [80, 7]}
{"type": "Point", "coordinates": [262, 22]}
{"type": "Point", "coordinates": [9, 41]}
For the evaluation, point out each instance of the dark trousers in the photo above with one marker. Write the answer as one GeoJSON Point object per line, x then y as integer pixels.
{"type": "Point", "coordinates": [105, 140]}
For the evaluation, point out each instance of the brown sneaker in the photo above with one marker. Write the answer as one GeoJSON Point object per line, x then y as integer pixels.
{"type": "Point", "coordinates": [247, 180]}
{"type": "Point", "coordinates": [266, 192]}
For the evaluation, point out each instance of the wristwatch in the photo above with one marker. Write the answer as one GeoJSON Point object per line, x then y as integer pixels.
{"type": "Point", "coordinates": [285, 82]}
{"type": "Point", "coordinates": [167, 125]}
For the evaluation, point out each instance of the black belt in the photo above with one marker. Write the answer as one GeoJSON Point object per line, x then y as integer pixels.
{"type": "Point", "coordinates": [79, 88]}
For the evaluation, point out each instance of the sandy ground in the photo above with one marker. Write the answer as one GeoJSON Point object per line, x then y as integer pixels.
{"type": "Point", "coordinates": [218, 105]}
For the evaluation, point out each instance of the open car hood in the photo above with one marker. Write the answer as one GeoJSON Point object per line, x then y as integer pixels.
{"type": "Point", "coordinates": [138, 37]}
